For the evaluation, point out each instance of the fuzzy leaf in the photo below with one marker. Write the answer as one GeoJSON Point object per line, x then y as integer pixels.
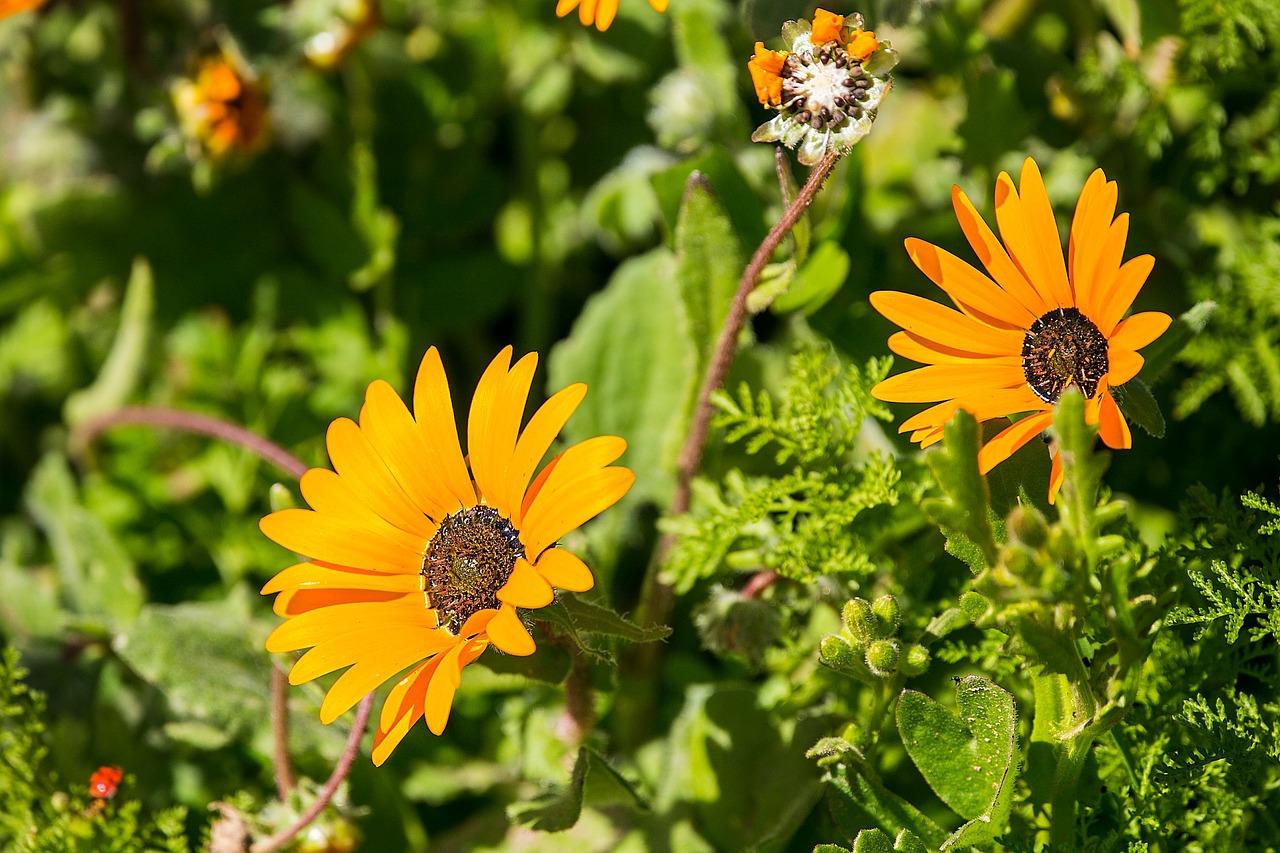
{"type": "Point", "coordinates": [817, 281]}
{"type": "Point", "coordinates": [1163, 350]}
{"type": "Point", "coordinates": [1139, 406]}
{"type": "Point", "coordinates": [593, 782]}
{"type": "Point", "coordinates": [708, 262]}
{"type": "Point", "coordinates": [962, 511]}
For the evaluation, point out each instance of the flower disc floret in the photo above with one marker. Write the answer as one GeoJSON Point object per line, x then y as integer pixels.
{"type": "Point", "coordinates": [468, 561]}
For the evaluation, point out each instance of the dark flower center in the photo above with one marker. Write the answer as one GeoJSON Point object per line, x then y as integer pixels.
{"type": "Point", "coordinates": [468, 560]}
{"type": "Point", "coordinates": [1062, 347]}
{"type": "Point", "coordinates": [824, 87]}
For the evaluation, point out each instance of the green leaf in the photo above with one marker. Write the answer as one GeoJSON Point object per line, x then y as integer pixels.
{"type": "Point", "coordinates": [1082, 467]}
{"type": "Point", "coordinates": [593, 782]}
{"type": "Point", "coordinates": [208, 660]}
{"type": "Point", "coordinates": [818, 280]}
{"type": "Point", "coordinates": [632, 347]}
{"type": "Point", "coordinates": [126, 360]}
{"type": "Point", "coordinates": [1139, 406]}
{"type": "Point", "coordinates": [1160, 353]}
{"type": "Point", "coordinates": [708, 263]}
{"type": "Point", "coordinates": [95, 573]}
{"type": "Point", "coordinates": [872, 841]}
{"type": "Point", "coordinates": [739, 200]}
{"type": "Point", "coordinates": [963, 510]}
{"type": "Point", "coordinates": [859, 800]}
{"type": "Point", "coordinates": [586, 617]}
{"type": "Point", "coordinates": [964, 757]}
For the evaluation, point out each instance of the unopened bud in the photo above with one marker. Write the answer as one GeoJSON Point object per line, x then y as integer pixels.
{"type": "Point", "coordinates": [872, 841]}
{"type": "Point", "coordinates": [888, 616]}
{"type": "Point", "coordinates": [883, 656]}
{"type": "Point", "coordinates": [916, 660]}
{"type": "Point", "coordinates": [859, 621]}
{"type": "Point", "coordinates": [1026, 525]}
{"type": "Point", "coordinates": [837, 653]}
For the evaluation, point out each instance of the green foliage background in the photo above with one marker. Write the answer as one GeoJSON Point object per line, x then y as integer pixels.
{"type": "Point", "coordinates": [483, 173]}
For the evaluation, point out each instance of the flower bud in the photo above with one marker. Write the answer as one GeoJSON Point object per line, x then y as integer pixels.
{"type": "Point", "coordinates": [916, 660]}
{"type": "Point", "coordinates": [1027, 526]}
{"type": "Point", "coordinates": [837, 653]}
{"type": "Point", "coordinates": [888, 616]}
{"type": "Point", "coordinates": [975, 605]}
{"type": "Point", "coordinates": [883, 656]}
{"type": "Point", "coordinates": [872, 841]}
{"type": "Point", "coordinates": [858, 621]}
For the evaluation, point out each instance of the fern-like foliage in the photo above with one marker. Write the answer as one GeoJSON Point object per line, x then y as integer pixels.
{"type": "Point", "coordinates": [1224, 35]}
{"type": "Point", "coordinates": [802, 520]}
{"type": "Point", "coordinates": [37, 818]}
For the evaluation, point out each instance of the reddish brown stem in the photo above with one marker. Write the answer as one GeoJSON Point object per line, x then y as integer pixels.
{"type": "Point", "coordinates": [759, 582]}
{"type": "Point", "coordinates": [280, 762]}
{"type": "Point", "coordinates": [161, 416]}
{"type": "Point", "coordinates": [280, 839]}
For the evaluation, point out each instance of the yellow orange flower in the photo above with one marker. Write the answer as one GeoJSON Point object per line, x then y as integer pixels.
{"type": "Point", "coordinates": [1037, 325]}
{"type": "Point", "coordinates": [13, 7]}
{"type": "Point", "coordinates": [419, 557]}
{"type": "Point", "coordinates": [826, 26]}
{"type": "Point", "coordinates": [598, 12]}
{"type": "Point", "coordinates": [765, 67]}
{"type": "Point", "coordinates": [222, 107]}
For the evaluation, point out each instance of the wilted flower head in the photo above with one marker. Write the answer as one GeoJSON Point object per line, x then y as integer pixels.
{"type": "Point", "coordinates": [826, 87]}
{"type": "Point", "coordinates": [222, 107]}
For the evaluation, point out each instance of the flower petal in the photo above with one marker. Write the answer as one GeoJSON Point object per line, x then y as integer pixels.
{"type": "Point", "coordinates": [1044, 248]}
{"type": "Point", "coordinates": [965, 285]}
{"type": "Point", "coordinates": [331, 496]}
{"type": "Point", "coordinates": [403, 708]}
{"type": "Point", "coordinates": [925, 351]}
{"type": "Point", "coordinates": [1138, 330]}
{"type": "Point", "coordinates": [946, 326]}
{"type": "Point", "coordinates": [483, 404]}
{"type": "Point", "coordinates": [345, 648]}
{"type": "Point", "coordinates": [1112, 428]}
{"type": "Point", "coordinates": [563, 569]}
{"type": "Point", "coordinates": [1122, 291]}
{"type": "Point", "coordinates": [588, 455]}
{"type": "Point", "coordinates": [337, 540]}
{"type": "Point", "coordinates": [367, 476]}
{"type": "Point", "coordinates": [536, 440]}
{"type": "Point", "coordinates": [320, 576]}
{"type": "Point", "coordinates": [525, 588]}
{"type": "Point", "coordinates": [948, 381]}
{"type": "Point", "coordinates": [314, 626]}
{"type": "Point", "coordinates": [395, 437]}
{"type": "Point", "coordinates": [362, 678]}
{"type": "Point", "coordinates": [562, 508]}
{"type": "Point", "coordinates": [1056, 476]}
{"type": "Point", "coordinates": [294, 602]}
{"type": "Point", "coordinates": [1095, 210]}
{"type": "Point", "coordinates": [993, 256]}
{"type": "Point", "coordinates": [498, 440]}
{"type": "Point", "coordinates": [433, 412]}
{"type": "Point", "coordinates": [605, 14]}
{"type": "Point", "coordinates": [1124, 365]}
{"type": "Point", "coordinates": [989, 404]}
{"type": "Point", "coordinates": [508, 633]}
{"type": "Point", "coordinates": [1011, 439]}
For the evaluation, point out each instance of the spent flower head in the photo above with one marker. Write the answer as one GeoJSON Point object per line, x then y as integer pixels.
{"type": "Point", "coordinates": [826, 86]}
{"type": "Point", "coordinates": [223, 106]}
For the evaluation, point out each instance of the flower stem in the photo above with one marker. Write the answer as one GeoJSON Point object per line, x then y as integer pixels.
{"type": "Point", "coordinates": [340, 770]}
{"type": "Point", "coordinates": [280, 762]}
{"type": "Point", "coordinates": [191, 422]}
{"type": "Point", "coordinates": [656, 598]}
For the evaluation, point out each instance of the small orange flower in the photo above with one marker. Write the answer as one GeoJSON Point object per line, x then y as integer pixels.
{"type": "Point", "coordinates": [223, 108]}
{"type": "Point", "coordinates": [420, 558]}
{"type": "Point", "coordinates": [826, 26]}
{"type": "Point", "coordinates": [764, 68]}
{"type": "Point", "coordinates": [13, 7]}
{"type": "Point", "coordinates": [1036, 326]}
{"type": "Point", "coordinates": [598, 12]}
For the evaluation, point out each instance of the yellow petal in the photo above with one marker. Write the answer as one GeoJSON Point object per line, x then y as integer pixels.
{"type": "Point", "coordinates": [994, 257]}
{"type": "Point", "coordinates": [294, 602]}
{"type": "Point", "coordinates": [402, 709]}
{"type": "Point", "coordinates": [336, 540]}
{"type": "Point", "coordinates": [1121, 293]}
{"type": "Point", "coordinates": [1011, 439]}
{"type": "Point", "coordinates": [1112, 428]}
{"type": "Point", "coordinates": [433, 413]}
{"type": "Point", "coordinates": [320, 576]}
{"type": "Point", "coordinates": [525, 588]}
{"type": "Point", "coordinates": [1042, 230]}
{"type": "Point", "coordinates": [984, 406]}
{"type": "Point", "coordinates": [564, 7]}
{"type": "Point", "coordinates": [1138, 330]}
{"type": "Point", "coordinates": [564, 570]}
{"type": "Point", "coordinates": [605, 14]}
{"type": "Point", "coordinates": [476, 622]}
{"type": "Point", "coordinates": [1056, 476]}
{"type": "Point", "coordinates": [581, 458]}
{"type": "Point", "coordinates": [312, 627]}
{"type": "Point", "coordinates": [346, 648]}
{"type": "Point", "coordinates": [508, 633]}
{"type": "Point", "coordinates": [362, 678]}
{"type": "Point", "coordinates": [331, 496]}
{"type": "Point", "coordinates": [562, 508]}
{"type": "Point", "coordinates": [587, 12]}
{"type": "Point", "coordinates": [1095, 210]}
{"type": "Point", "coordinates": [660, 5]}
{"type": "Point", "coordinates": [536, 440]}
{"type": "Point", "coordinates": [939, 324]}
{"type": "Point", "coordinates": [395, 437]}
{"type": "Point", "coordinates": [440, 689]}
{"type": "Point", "coordinates": [367, 476]}
{"type": "Point", "coordinates": [1124, 365]}
{"type": "Point", "coordinates": [969, 288]}
{"type": "Point", "coordinates": [948, 381]}
{"type": "Point", "coordinates": [925, 351]}
{"type": "Point", "coordinates": [483, 404]}
{"type": "Point", "coordinates": [497, 438]}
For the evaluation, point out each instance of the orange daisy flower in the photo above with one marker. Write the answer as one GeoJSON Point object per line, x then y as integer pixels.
{"type": "Point", "coordinates": [223, 107]}
{"type": "Point", "coordinates": [1037, 325]}
{"type": "Point", "coordinates": [419, 557]}
{"type": "Point", "coordinates": [598, 12]}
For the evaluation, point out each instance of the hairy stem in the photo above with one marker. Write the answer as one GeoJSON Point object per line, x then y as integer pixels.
{"type": "Point", "coordinates": [178, 419]}
{"type": "Point", "coordinates": [340, 771]}
{"type": "Point", "coordinates": [280, 762]}
{"type": "Point", "coordinates": [656, 598]}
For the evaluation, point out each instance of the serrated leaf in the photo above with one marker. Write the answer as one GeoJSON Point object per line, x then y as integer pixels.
{"type": "Point", "coordinates": [1139, 405]}
{"type": "Point", "coordinates": [593, 781]}
{"type": "Point", "coordinates": [964, 507]}
{"type": "Point", "coordinates": [739, 199]}
{"type": "Point", "coordinates": [858, 801]}
{"type": "Point", "coordinates": [593, 618]}
{"type": "Point", "coordinates": [126, 359]}
{"type": "Point", "coordinates": [208, 661]}
{"type": "Point", "coordinates": [818, 280]}
{"type": "Point", "coordinates": [708, 262]}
